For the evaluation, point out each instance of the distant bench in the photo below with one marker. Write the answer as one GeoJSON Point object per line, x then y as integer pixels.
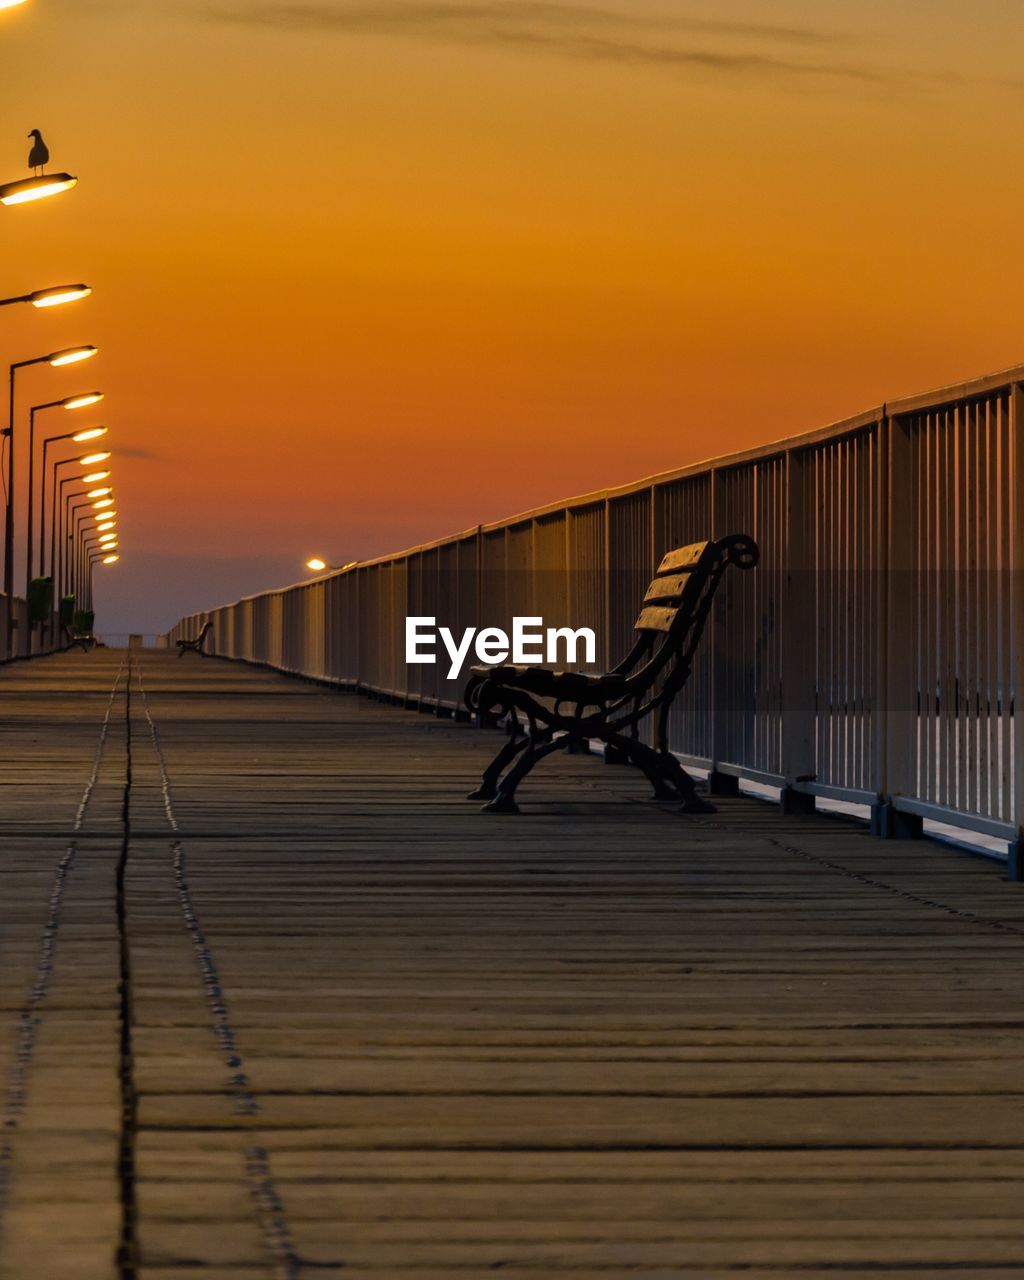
{"type": "Point", "coordinates": [84, 640]}
{"type": "Point", "coordinates": [195, 644]}
{"type": "Point", "coordinates": [565, 708]}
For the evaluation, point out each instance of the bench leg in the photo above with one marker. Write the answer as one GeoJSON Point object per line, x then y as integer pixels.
{"type": "Point", "coordinates": [505, 800]}
{"type": "Point", "coordinates": [488, 788]}
{"type": "Point", "coordinates": [693, 801]}
{"type": "Point", "coordinates": [633, 751]}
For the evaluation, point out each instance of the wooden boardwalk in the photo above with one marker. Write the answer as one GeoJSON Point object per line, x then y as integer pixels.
{"type": "Point", "coordinates": [276, 1002]}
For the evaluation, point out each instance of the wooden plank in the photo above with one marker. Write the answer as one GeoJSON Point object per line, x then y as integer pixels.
{"type": "Point", "coordinates": [670, 587]}
{"type": "Point", "coordinates": [682, 558]}
{"type": "Point", "coordinates": [655, 619]}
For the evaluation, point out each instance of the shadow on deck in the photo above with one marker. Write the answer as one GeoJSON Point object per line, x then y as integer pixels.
{"type": "Point", "coordinates": [327, 1015]}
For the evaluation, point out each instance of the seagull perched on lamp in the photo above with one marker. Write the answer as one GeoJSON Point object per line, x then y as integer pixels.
{"type": "Point", "coordinates": [39, 156]}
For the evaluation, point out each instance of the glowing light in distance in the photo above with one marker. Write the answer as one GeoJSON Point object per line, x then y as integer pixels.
{"type": "Point", "coordinates": [91, 459]}
{"type": "Point", "coordinates": [99, 493]}
{"type": "Point", "coordinates": [58, 296]}
{"type": "Point", "coordinates": [10, 4]}
{"type": "Point", "coordinates": [82, 402]}
{"type": "Point", "coordinates": [111, 559]}
{"type": "Point", "coordinates": [107, 525]}
{"type": "Point", "coordinates": [93, 433]}
{"type": "Point", "coordinates": [316, 564]}
{"type": "Point", "coordinates": [106, 502]}
{"type": "Point", "coordinates": [96, 477]}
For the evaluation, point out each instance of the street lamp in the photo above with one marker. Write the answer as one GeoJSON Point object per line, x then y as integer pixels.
{"type": "Point", "coordinates": [75, 505]}
{"type": "Point", "coordinates": [69, 355]}
{"type": "Point", "coordinates": [77, 437]}
{"type": "Point", "coordinates": [25, 190]}
{"type": "Point", "coordinates": [78, 502]}
{"type": "Point", "coordinates": [73, 355]}
{"type": "Point", "coordinates": [61, 462]}
{"type": "Point", "coordinates": [55, 297]}
{"type": "Point", "coordinates": [82, 402]}
{"type": "Point", "coordinates": [89, 551]}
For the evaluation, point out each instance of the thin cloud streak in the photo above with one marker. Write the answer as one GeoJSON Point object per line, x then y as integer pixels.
{"type": "Point", "coordinates": [585, 33]}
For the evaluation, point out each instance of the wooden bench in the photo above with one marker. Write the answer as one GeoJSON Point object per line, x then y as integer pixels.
{"type": "Point", "coordinates": [84, 640]}
{"type": "Point", "coordinates": [566, 709]}
{"type": "Point", "coordinates": [195, 645]}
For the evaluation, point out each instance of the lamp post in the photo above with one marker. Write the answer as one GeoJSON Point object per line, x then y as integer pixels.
{"type": "Point", "coordinates": [58, 497]}
{"type": "Point", "coordinates": [71, 503]}
{"type": "Point", "coordinates": [30, 514]}
{"type": "Point", "coordinates": [77, 437]}
{"type": "Point", "coordinates": [89, 550]}
{"type": "Point", "coordinates": [86, 460]}
{"type": "Point", "coordinates": [80, 516]}
{"type": "Point", "coordinates": [56, 359]}
{"type": "Point", "coordinates": [99, 558]}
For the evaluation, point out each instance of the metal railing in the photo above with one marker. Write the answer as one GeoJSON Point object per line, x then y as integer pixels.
{"type": "Point", "coordinates": [872, 657]}
{"type": "Point", "coordinates": [28, 639]}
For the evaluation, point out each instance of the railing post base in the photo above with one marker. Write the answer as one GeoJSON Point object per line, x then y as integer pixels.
{"type": "Point", "coordinates": [1015, 861]}
{"type": "Point", "coordinates": [723, 784]}
{"type": "Point", "coordinates": [890, 823]}
{"type": "Point", "coordinates": [792, 801]}
{"type": "Point", "coordinates": [615, 755]}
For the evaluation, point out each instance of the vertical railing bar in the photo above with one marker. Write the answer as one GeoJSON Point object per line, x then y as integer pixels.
{"type": "Point", "coordinates": [835, 464]}
{"type": "Point", "coordinates": [974, 790]}
{"type": "Point", "coordinates": [990, 623]}
{"type": "Point", "coordinates": [1008, 617]}
{"type": "Point", "coordinates": [963, 590]}
{"type": "Point", "coordinates": [949, 614]}
{"type": "Point", "coordinates": [1016, 471]}
{"type": "Point", "coordinates": [941, 644]}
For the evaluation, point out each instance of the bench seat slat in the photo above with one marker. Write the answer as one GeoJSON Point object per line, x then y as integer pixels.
{"type": "Point", "coordinates": [683, 558]}
{"type": "Point", "coordinates": [670, 587]}
{"type": "Point", "coordinates": [655, 619]}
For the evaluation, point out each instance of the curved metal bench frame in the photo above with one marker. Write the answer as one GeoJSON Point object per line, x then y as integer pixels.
{"type": "Point", "coordinates": [610, 707]}
{"type": "Point", "coordinates": [195, 645]}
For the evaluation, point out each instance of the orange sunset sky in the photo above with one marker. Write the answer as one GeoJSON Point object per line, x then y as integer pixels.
{"type": "Point", "coordinates": [369, 272]}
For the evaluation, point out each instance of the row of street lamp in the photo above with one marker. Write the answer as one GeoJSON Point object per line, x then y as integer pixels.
{"type": "Point", "coordinates": [83, 520]}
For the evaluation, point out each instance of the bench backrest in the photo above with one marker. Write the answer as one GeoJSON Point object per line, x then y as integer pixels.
{"type": "Point", "coordinates": [678, 601]}
{"type": "Point", "coordinates": [678, 580]}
